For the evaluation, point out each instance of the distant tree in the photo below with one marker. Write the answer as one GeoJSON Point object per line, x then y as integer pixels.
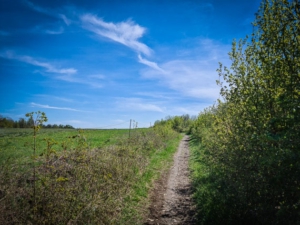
{"type": "Point", "coordinates": [2, 121]}
{"type": "Point", "coordinates": [177, 123]}
{"type": "Point", "coordinates": [16, 124]}
{"type": "Point", "coordinates": [30, 122]}
{"type": "Point", "coordinates": [22, 123]}
{"type": "Point", "coordinates": [156, 122]}
{"type": "Point", "coordinates": [6, 122]}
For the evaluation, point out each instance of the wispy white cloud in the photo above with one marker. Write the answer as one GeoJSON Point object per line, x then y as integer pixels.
{"type": "Point", "coordinates": [65, 74]}
{"type": "Point", "coordinates": [191, 109]}
{"type": "Point", "coordinates": [44, 96]}
{"type": "Point", "coordinates": [59, 31]}
{"type": "Point", "coordinates": [138, 105]}
{"type": "Point", "coordinates": [150, 64]}
{"type": "Point", "coordinates": [192, 75]}
{"type": "Point", "coordinates": [91, 81]}
{"type": "Point", "coordinates": [126, 33]}
{"type": "Point", "coordinates": [48, 12]}
{"type": "Point", "coordinates": [158, 95]}
{"type": "Point", "coordinates": [97, 76]}
{"type": "Point", "coordinates": [32, 104]}
{"type": "Point", "coordinates": [65, 19]}
{"type": "Point", "coordinates": [29, 60]}
{"type": "Point", "coordinates": [37, 8]}
{"type": "Point", "coordinates": [160, 108]}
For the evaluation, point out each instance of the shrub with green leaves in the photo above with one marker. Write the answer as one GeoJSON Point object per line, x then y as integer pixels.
{"type": "Point", "coordinates": [249, 154]}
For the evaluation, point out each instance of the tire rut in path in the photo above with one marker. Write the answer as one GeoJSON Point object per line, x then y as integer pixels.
{"type": "Point", "coordinates": [171, 201]}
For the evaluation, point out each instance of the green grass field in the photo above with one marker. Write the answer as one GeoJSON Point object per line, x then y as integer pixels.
{"type": "Point", "coordinates": [97, 177]}
{"type": "Point", "coordinates": [16, 143]}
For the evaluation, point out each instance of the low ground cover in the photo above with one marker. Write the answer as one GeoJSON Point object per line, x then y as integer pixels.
{"type": "Point", "coordinates": [86, 177]}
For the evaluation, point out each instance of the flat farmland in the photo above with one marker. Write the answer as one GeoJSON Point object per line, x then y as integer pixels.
{"type": "Point", "coordinates": [81, 176]}
{"type": "Point", "coordinates": [17, 143]}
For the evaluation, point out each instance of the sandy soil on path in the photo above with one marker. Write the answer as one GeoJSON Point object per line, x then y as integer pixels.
{"type": "Point", "coordinates": [171, 201]}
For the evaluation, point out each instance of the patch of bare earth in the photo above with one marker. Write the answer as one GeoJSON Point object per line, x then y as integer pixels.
{"type": "Point", "coordinates": [171, 201]}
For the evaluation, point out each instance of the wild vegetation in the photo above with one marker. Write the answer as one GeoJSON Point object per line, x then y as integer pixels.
{"type": "Point", "coordinates": [245, 149]}
{"type": "Point", "coordinates": [180, 124]}
{"type": "Point", "coordinates": [70, 182]}
{"type": "Point", "coordinates": [246, 154]}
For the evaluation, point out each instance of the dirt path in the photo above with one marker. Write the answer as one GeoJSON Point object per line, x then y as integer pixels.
{"type": "Point", "coordinates": [171, 201]}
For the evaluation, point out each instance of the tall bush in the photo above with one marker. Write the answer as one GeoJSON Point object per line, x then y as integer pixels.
{"type": "Point", "coordinates": [251, 153]}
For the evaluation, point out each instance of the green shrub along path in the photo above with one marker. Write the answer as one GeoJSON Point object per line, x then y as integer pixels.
{"type": "Point", "coordinates": [246, 159]}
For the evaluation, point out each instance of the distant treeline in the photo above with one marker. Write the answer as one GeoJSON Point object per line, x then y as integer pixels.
{"type": "Point", "coordinates": [6, 122]}
{"type": "Point", "coordinates": [178, 123]}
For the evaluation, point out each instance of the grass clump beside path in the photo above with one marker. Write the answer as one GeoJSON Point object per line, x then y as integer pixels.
{"type": "Point", "coordinates": [80, 184]}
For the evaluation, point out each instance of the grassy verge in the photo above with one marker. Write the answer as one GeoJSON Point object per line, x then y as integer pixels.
{"type": "Point", "coordinates": [137, 202]}
{"type": "Point", "coordinates": [199, 172]}
{"type": "Point", "coordinates": [84, 185]}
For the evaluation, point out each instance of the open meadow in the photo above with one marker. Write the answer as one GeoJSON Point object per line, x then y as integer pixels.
{"type": "Point", "coordinates": [16, 143]}
{"type": "Point", "coordinates": [80, 176]}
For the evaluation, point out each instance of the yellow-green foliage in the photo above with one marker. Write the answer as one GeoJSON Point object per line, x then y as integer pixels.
{"type": "Point", "coordinates": [249, 152]}
{"type": "Point", "coordinates": [177, 123]}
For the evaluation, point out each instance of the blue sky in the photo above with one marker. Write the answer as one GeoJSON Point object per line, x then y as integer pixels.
{"type": "Point", "coordinates": [97, 64]}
